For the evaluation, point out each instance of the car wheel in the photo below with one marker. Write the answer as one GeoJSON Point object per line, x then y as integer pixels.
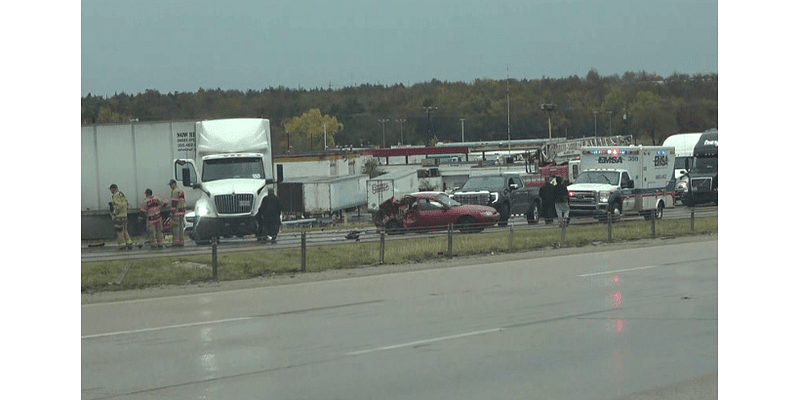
{"type": "Point", "coordinates": [533, 214]}
{"type": "Point", "coordinates": [504, 214]}
{"type": "Point", "coordinates": [466, 224]}
{"type": "Point", "coordinates": [394, 227]}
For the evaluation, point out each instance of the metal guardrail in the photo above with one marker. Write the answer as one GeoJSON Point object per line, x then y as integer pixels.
{"type": "Point", "coordinates": [337, 236]}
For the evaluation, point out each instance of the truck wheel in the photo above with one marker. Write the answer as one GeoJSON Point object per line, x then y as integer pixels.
{"type": "Point", "coordinates": [533, 214]}
{"type": "Point", "coordinates": [466, 224]}
{"type": "Point", "coordinates": [504, 214]}
{"type": "Point", "coordinates": [660, 210]}
{"type": "Point", "coordinates": [394, 227]}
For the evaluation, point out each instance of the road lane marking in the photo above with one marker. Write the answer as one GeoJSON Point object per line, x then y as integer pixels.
{"type": "Point", "coordinates": [426, 341]}
{"type": "Point", "coordinates": [619, 270]}
{"type": "Point", "coordinates": [648, 267]}
{"type": "Point", "coordinates": [232, 319]}
{"type": "Point", "coordinates": [165, 327]}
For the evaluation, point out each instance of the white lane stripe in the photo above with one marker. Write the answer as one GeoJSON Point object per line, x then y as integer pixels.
{"type": "Point", "coordinates": [397, 346]}
{"type": "Point", "coordinates": [165, 327]}
{"type": "Point", "coordinates": [619, 270]}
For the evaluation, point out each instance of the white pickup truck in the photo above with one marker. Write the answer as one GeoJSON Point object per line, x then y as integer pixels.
{"type": "Point", "coordinates": [620, 180]}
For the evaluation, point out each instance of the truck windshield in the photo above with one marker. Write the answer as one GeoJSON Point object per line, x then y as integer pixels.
{"type": "Point", "coordinates": [233, 168]}
{"type": "Point", "coordinates": [607, 177]}
{"type": "Point", "coordinates": [705, 165]}
{"type": "Point", "coordinates": [680, 162]}
{"type": "Point", "coordinates": [483, 183]}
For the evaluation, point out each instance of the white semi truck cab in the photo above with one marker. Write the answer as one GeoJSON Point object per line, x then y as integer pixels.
{"type": "Point", "coordinates": [617, 180]}
{"type": "Point", "coordinates": [233, 171]}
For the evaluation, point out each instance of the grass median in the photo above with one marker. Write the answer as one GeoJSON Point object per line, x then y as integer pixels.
{"type": "Point", "coordinates": [180, 270]}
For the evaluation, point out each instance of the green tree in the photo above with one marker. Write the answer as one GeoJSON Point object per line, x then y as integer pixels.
{"type": "Point", "coordinates": [107, 115]}
{"type": "Point", "coordinates": [307, 132]}
{"type": "Point", "coordinates": [654, 116]}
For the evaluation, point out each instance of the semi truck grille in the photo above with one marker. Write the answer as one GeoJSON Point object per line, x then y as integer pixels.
{"type": "Point", "coordinates": [583, 198]}
{"type": "Point", "coordinates": [233, 203]}
{"type": "Point", "coordinates": [701, 185]}
{"type": "Point", "coordinates": [480, 199]}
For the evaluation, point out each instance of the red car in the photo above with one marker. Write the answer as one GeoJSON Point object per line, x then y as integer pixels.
{"type": "Point", "coordinates": [428, 211]}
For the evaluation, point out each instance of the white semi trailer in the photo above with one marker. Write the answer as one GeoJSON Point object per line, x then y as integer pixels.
{"type": "Point", "coordinates": [135, 156]}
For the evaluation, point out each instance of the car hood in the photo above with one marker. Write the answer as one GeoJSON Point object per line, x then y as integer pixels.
{"type": "Point", "coordinates": [473, 208]}
{"type": "Point", "coordinates": [591, 186]}
{"type": "Point", "coordinates": [488, 189]}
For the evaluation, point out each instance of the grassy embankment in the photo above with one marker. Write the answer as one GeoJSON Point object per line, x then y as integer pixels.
{"type": "Point", "coordinates": [177, 270]}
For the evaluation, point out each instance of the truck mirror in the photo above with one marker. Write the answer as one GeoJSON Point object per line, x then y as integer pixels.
{"type": "Point", "coordinates": [186, 177]}
{"type": "Point", "coordinates": [279, 172]}
{"type": "Point", "coordinates": [686, 164]}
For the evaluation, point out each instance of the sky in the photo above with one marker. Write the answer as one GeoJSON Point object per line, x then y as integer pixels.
{"type": "Point", "coordinates": [184, 45]}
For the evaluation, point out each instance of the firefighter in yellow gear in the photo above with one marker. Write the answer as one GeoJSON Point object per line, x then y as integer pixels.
{"type": "Point", "coordinates": [177, 213]}
{"type": "Point", "coordinates": [119, 217]}
{"type": "Point", "coordinates": [151, 210]}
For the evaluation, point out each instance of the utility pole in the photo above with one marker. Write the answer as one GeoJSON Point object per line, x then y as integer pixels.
{"type": "Point", "coordinates": [609, 122]}
{"type": "Point", "coordinates": [462, 129]}
{"type": "Point", "coordinates": [428, 110]}
{"type": "Point", "coordinates": [383, 122]}
{"type": "Point", "coordinates": [595, 122]}
{"type": "Point", "coordinates": [508, 107]}
{"type": "Point", "coordinates": [401, 120]}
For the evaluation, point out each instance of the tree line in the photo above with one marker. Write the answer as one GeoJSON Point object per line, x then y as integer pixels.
{"type": "Point", "coordinates": [641, 104]}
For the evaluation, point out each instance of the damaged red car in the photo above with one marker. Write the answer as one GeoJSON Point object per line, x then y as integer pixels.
{"type": "Point", "coordinates": [430, 211]}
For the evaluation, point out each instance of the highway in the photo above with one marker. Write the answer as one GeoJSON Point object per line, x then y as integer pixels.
{"type": "Point", "coordinates": [603, 325]}
{"type": "Point", "coordinates": [337, 236]}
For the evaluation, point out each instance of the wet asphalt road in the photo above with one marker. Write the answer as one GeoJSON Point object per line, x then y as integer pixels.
{"type": "Point", "coordinates": [597, 325]}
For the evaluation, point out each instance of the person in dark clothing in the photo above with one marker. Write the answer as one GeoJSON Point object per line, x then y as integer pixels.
{"type": "Point", "coordinates": [561, 199]}
{"type": "Point", "coordinates": [269, 218]}
{"type": "Point", "coordinates": [546, 195]}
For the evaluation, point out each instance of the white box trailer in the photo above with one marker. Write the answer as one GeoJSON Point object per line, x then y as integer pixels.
{"type": "Point", "coordinates": [393, 184]}
{"type": "Point", "coordinates": [620, 180]}
{"type": "Point", "coordinates": [322, 196]}
{"type": "Point", "coordinates": [134, 155]}
{"type": "Point", "coordinates": [684, 144]}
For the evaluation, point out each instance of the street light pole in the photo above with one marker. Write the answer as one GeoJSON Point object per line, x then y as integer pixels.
{"type": "Point", "coordinates": [462, 129]}
{"type": "Point", "coordinates": [595, 122]}
{"type": "Point", "coordinates": [550, 108]}
{"type": "Point", "coordinates": [383, 122]}
{"type": "Point", "coordinates": [609, 122]}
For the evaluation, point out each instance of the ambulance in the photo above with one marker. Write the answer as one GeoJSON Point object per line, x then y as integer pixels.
{"type": "Point", "coordinates": [616, 181]}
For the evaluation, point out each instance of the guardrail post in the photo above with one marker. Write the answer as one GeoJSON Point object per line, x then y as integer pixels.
{"type": "Point", "coordinates": [383, 246]}
{"type": "Point", "coordinates": [563, 231]}
{"type": "Point", "coordinates": [692, 219]}
{"type": "Point", "coordinates": [449, 240]}
{"type": "Point", "coordinates": [303, 252]}
{"type": "Point", "coordinates": [653, 220]}
{"type": "Point", "coordinates": [214, 269]}
{"type": "Point", "coordinates": [610, 217]}
{"type": "Point", "coordinates": [510, 234]}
